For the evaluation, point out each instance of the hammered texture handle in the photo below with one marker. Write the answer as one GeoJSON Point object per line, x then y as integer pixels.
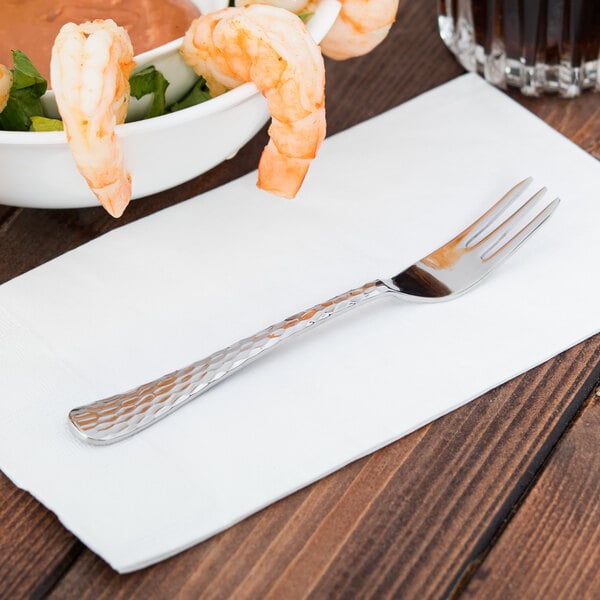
{"type": "Point", "coordinates": [120, 416]}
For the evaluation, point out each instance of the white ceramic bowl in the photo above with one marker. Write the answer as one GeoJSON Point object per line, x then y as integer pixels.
{"type": "Point", "coordinates": [37, 169]}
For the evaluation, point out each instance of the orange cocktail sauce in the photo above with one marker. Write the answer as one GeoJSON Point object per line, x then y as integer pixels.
{"type": "Point", "coordinates": [32, 25]}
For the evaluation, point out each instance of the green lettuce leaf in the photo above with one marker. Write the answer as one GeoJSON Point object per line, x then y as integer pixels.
{"type": "Point", "coordinates": [24, 100]}
{"type": "Point", "coordinates": [198, 93]}
{"type": "Point", "coordinates": [45, 124]}
{"type": "Point", "coordinates": [150, 81]}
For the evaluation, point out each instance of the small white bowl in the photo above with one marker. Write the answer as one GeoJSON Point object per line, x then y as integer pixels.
{"type": "Point", "coordinates": [37, 169]}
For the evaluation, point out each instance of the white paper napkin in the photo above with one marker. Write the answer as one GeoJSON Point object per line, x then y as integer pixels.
{"type": "Point", "coordinates": [167, 290]}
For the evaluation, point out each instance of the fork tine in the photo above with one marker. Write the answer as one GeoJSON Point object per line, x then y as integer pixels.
{"type": "Point", "coordinates": [506, 227]}
{"type": "Point", "coordinates": [513, 243]}
{"type": "Point", "coordinates": [493, 213]}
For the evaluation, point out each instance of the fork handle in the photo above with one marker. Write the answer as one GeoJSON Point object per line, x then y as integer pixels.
{"type": "Point", "coordinates": [117, 417]}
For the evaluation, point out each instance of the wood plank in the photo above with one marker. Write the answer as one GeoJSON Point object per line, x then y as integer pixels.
{"type": "Point", "coordinates": [551, 548]}
{"type": "Point", "coordinates": [578, 119]}
{"type": "Point", "coordinates": [408, 521]}
{"type": "Point", "coordinates": [369, 526]}
{"type": "Point", "coordinates": [7, 216]}
{"type": "Point", "coordinates": [35, 548]}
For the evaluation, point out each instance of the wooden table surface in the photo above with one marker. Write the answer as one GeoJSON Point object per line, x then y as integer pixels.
{"type": "Point", "coordinates": [498, 499]}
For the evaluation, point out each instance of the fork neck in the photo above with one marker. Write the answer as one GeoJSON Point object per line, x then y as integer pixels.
{"type": "Point", "coordinates": [419, 283]}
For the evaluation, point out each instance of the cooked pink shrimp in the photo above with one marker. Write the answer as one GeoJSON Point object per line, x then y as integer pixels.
{"type": "Point", "coordinates": [6, 79]}
{"type": "Point", "coordinates": [360, 26]}
{"type": "Point", "coordinates": [90, 69]}
{"type": "Point", "coordinates": [272, 48]}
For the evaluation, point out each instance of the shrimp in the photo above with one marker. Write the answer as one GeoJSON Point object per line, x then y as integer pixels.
{"type": "Point", "coordinates": [360, 26]}
{"type": "Point", "coordinates": [272, 48]}
{"type": "Point", "coordinates": [90, 68]}
{"type": "Point", "coordinates": [6, 79]}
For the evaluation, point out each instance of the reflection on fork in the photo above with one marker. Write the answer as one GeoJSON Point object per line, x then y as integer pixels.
{"type": "Point", "coordinates": [444, 274]}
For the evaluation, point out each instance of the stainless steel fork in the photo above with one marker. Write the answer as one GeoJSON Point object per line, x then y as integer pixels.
{"type": "Point", "coordinates": [444, 274]}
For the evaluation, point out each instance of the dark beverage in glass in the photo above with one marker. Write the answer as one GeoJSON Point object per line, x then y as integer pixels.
{"type": "Point", "coordinates": [538, 46]}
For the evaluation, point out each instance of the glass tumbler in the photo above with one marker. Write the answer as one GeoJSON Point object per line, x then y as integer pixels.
{"type": "Point", "coordinates": [538, 46]}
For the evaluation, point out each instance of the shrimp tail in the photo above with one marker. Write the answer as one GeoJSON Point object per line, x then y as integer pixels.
{"type": "Point", "coordinates": [272, 48]}
{"type": "Point", "coordinates": [286, 158]}
{"type": "Point", "coordinates": [280, 174]}
{"type": "Point", "coordinates": [90, 69]}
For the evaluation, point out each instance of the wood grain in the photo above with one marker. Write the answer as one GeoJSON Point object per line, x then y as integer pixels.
{"type": "Point", "coordinates": [418, 518]}
{"type": "Point", "coordinates": [35, 549]}
{"type": "Point", "coordinates": [551, 549]}
{"type": "Point", "coordinates": [577, 119]}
